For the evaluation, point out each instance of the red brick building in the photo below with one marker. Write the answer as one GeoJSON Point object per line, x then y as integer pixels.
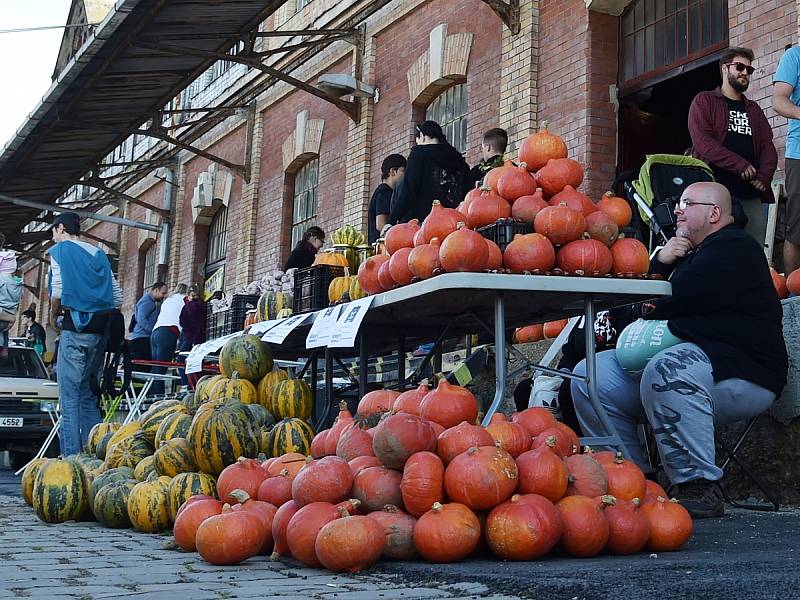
{"type": "Point", "coordinates": [613, 77]}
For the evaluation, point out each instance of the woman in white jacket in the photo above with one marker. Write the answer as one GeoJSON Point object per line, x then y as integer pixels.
{"type": "Point", "coordinates": [164, 339]}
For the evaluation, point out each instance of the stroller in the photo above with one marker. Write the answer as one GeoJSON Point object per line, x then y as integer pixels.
{"type": "Point", "coordinates": [662, 179]}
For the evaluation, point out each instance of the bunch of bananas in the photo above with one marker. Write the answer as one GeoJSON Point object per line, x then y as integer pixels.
{"type": "Point", "coordinates": [348, 235]}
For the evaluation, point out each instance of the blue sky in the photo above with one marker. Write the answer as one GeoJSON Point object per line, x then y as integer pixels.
{"type": "Point", "coordinates": [25, 80]}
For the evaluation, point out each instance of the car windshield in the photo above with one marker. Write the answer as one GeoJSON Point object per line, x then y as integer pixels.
{"type": "Point", "coordinates": [22, 363]}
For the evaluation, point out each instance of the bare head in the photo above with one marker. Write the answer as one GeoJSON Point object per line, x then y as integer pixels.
{"type": "Point", "coordinates": [704, 208]}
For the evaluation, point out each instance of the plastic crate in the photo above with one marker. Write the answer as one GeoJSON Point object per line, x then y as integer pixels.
{"type": "Point", "coordinates": [237, 313]}
{"type": "Point", "coordinates": [215, 325]}
{"type": "Point", "coordinates": [503, 231]}
{"type": "Point", "coordinates": [311, 287]}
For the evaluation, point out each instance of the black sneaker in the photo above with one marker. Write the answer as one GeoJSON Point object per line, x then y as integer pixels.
{"type": "Point", "coordinates": [702, 498]}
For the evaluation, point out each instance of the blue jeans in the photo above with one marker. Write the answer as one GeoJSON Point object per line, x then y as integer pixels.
{"type": "Point", "coordinates": [163, 341]}
{"type": "Point", "coordinates": [79, 411]}
{"type": "Point", "coordinates": [678, 396]}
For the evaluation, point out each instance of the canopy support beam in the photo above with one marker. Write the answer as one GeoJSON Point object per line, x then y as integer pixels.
{"type": "Point", "coordinates": [508, 11]}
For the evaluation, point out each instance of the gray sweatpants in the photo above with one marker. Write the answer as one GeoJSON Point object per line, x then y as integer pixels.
{"type": "Point", "coordinates": [679, 397]}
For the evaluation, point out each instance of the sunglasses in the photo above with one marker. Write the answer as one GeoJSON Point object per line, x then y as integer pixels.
{"type": "Point", "coordinates": [740, 66]}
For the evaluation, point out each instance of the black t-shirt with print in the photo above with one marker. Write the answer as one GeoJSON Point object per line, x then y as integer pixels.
{"type": "Point", "coordinates": [738, 139]}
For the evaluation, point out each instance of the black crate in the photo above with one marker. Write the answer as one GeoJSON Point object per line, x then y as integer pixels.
{"type": "Point", "coordinates": [231, 320]}
{"type": "Point", "coordinates": [311, 287]}
{"type": "Point", "coordinates": [503, 231]}
{"type": "Point", "coordinates": [215, 325]}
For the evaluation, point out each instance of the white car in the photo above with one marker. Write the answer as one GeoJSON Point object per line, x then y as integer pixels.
{"type": "Point", "coordinates": [25, 392]}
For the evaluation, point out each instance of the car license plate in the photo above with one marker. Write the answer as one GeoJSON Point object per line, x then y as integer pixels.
{"type": "Point", "coordinates": [10, 422]}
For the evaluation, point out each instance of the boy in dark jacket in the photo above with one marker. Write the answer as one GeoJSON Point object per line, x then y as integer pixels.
{"type": "Point", "coordinates": [495, 142]}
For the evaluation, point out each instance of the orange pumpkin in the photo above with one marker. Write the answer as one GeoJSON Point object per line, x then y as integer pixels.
{"type": "Point", "coordinates": [575, 200]}
{"type": "Point", "coordinates": [493, 175]}
{"type": "Point", "coordinates": [559, 173]}
{"type": "Point", "coordinates": [401, 236]}
{"type": "Point", "coordinates": [328, 479]}
{"type": "Point", "coordinates": [398, 266]}
{"type": "Point", "coordinates": [617, 208]}
{"type": "Point", "coordinates": [464, 250]}
{"type": "Point", "coordinates": [385, 279]}
{"type": "Point", "coordinates": [524, 528]}
{"type": "Point", "coordinates": [447, 533]}
{"type": "Point", "coordinates": [354, 442]}
{"type": "Point", "coordinates": [585, 257]}
{"type": "Point", "coordinates": [779, 281]}
{"type": "Point", "coordinates": [602, 227]}
{"type": "Point", "coordinates": [481, 478]}
{"type": "Point", "coordinates": [441, 222]}
{"type": "Point", "coordinates": [586, 476]}
{"type": "Point", "coordinates": [495, 259]}
{"type": "Point", "coordinates": [539, 147]}
{"type": "Point", "coordinates": [331, 258]}
{"type": "Point", "coordinates": [276, 490]}
{"type": "Point", "coordinates": [585, 526]}
{"type": "Point", "coordinates": [793, 282]}
{"type": "Point", "coordinates": [245, 474]}
{"type": "Point", "coordinates": [511, 437]}
{"type": "Point", "coordinates": [423, 260]}
{"type": "Point", "coordinates": [190, 516]}
{"type": "Point", "coordinates": [560, 224]}
{"type": "Point", "coordinates": [527, 207]}
{"type": "Point", "coordinates": [410, 400]}
{"type": "Point", "coordinates": [529, 333]}
{"type": "Point", "coordinates": [625, 479]}
{"type": "Point", "coordinates": [670, 525]}
{"type": "Point", "coordinates": [377, 401]}
{"type": "Point", "coordinates": [566, 440]}
{"type": "Point", "coordinates": [343, 419]}
{"type": "Point", "coordinates": [462, 437]}
{"type": "Point", "coordinates": [487, 208]}
{"type": "Point", "coordinates": [398, 530]}
{"type": "Point", "coordinates": [628, 528]}
{"type": "Point", "coordinates": [376, 487]}
{"type": "Point", "coordinates": [230, 537]}
{"type": "Point", "coordinates": [422, 482]}
{"type": "Point", "coordinates": [291, 461]}
{"type": "Point", "coordinates": [362, 462]}
{"type": "Point", "coordinates": [302, 530]}
{"type": "Point", "coordinates": [535, 419]}
{"type": "Point", "coordinates": [368, 273]}
{"type": "Point", "coordinates": [400, 436]}
{"type": "Point", "coordinates": [263, 511]}
{"type": "Point", "coordinates": [279, 524]}
{"type": "Point", "coordinates": [551, 329]}
{"type": "Point", "coordinates": [449, 404]}
{"type": "Point", "coordinates": [350, 543]}
{"type": "Point", "coordinates": [629, 256]}
{"type": "Point", "coordinates": [515, 183]}
{"type": "Point", "coordinates": [543, 472]}
{"type": "Point", "coordinates": [531, 252]}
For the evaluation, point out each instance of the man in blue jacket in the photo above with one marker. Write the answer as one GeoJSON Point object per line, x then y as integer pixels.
{"type": "Point", "coordinates": [82, 285]}
{"type": "Point", "coordinates": [146, 314]}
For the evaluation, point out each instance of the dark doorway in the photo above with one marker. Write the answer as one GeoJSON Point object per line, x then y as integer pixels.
{"type": "Point", "coordinates": [653, 120]}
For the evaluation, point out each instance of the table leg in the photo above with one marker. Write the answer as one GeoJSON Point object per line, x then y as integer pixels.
{"type": "Point", "coordinates": [363, 364]}
{"type": "Point", "coordinates": [612, 437]}
{"type": "Point", "coordinates": [401, 362]}
{"type": "Point", "coordinates": [314, 374]}
{"type": "Point", "coordinates": [499, 356]}
{"type": "Point", "coordinates": [328, 376]}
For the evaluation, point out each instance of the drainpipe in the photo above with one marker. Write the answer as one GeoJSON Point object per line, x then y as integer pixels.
{"type": "Point", "coordinates": [166, 228]}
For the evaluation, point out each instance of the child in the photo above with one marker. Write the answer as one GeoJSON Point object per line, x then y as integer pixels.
{"type": "Point", "coordinates": [10, 291]}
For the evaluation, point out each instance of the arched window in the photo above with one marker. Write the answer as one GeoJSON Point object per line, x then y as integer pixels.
{"type": "Point", "coordinates": [659, 35]}
{"type": "Point", "coordinates": [215, 252]}
{"type": "Point", "coordinates": [150, 269]}
{"type": "Point", "coordinates": [449, 110]}
{"type": "Point", "coordinates": [304, 209]}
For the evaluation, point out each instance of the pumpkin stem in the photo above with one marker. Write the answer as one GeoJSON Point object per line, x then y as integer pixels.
{"type": "Point", "coordinates": [551, 441]}
{"type": "Point", "coordinates": [607, 500]}
{"type": "Point", "coordinates": [437, 506]}
{"type": "Point", "coordinates": [342, 512]}
{"type": "Point", "coordinates": [515, 498]}
{"type": "Point", "coordinates": [284, 472]}
{"type": "Point", "coordinates": [636, 502]}
{"type": "Point", "coordinates": [274, 556]}
{"type": "Point", "coordinates": [390, 508]}
{"type": "Point", "coordinates": [619, 459]}
{"type": "Point", "coordinates": [473, 450]}
{"type": "Point", "coordinates": [543, 125]}
{"type": "Point", "coordinates": [240, 495]}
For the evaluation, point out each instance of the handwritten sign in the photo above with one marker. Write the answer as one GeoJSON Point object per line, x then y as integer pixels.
{"type": "Point", "coordinates": [262, 326]}
{"type": "Point", "coordinates": [323, 327]}
{"type": "Point", "coordinates": [346, 331]}
{"type": "Point", "coordinates": [280, 332]}
{"type": "Point", "coordinates": [194, 362]}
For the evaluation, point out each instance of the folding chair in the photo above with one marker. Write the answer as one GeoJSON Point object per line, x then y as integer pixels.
{"type": "Point", "coordinates": [731, 456]}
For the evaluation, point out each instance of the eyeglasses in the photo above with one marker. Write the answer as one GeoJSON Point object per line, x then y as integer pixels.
{"type": "Point", "coordinates": [740, 66]}
{"type": "Point", "coordinates": [684, 204]}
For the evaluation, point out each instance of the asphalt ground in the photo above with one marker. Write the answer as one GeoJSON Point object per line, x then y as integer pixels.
{"type": "Point", "coordinates": [745, 554]}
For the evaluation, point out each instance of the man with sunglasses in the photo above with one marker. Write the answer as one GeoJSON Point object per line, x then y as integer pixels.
{"type": "Point", "coordinates": [786, 102]}
{"type": "Point", "coordinates": [732, 134]}
{"type": "Point", "coordinates": [729, 365]}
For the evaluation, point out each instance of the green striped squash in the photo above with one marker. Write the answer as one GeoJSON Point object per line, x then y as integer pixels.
{"type": "Point", "coordinates": [151, 420]}
{"type": "Point", "coordinates": [290, 435]}
{"type": "Point", "coordinates": [202, 391]}
{"type": "Point", "coordinates": [219, 434]}
{"type": "Point", "coordinates": [96, 433]}
{"type": "Point", "coordinates": [292, 400]}
{"type": "Point", "coordinates": [267, 387]}
{"type": "Point", "coordinates": [185, 485]}
{"type": "Point", "coordinates": [236, 387]}
{"type": "Point", "coordinates": [247, 355]}
{"type": "Point", "coordinates": [28, 477]}
{"type": "Point", "coordinates": [175, 425]}
{"type": "Point", "coordinates": [129, 451]}
{"type": "Point", "coordinates": [111, 503]}
{"type": "Point", "coordinates": [261, 416]}
{"type": "Point", "coordinates": [102, 445]}
{"type": "Point", "coordinates": [173, 457]}
{"type": "Point", "coordinates": [148, 505]}
{"type": "Point", "coordinates": [103, 479]}
{"type": "Point", "coordinates": [144, 467]}
{"type": "Point", "coordinates": [271, 303]}
{"type": "Point", "coordinates": [123, 432]}
{"type": "Point", "coordinates": [59, 491]}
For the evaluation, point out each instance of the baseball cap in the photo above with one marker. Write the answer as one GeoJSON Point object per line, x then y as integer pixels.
{"type": "Point", "coordinates": [70, 220]}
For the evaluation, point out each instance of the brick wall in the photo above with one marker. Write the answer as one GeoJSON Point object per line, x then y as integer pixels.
{"type": "Point", "coordinates": [766, 27]}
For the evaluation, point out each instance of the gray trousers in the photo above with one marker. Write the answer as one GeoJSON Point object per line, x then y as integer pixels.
{"type": "Point", "coordinates": [756, 221]}
{"type": "Point", "coordinates": [679, 398]}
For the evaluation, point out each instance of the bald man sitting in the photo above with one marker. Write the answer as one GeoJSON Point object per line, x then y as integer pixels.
{"type": "Point", "coordinates": [730, 362]}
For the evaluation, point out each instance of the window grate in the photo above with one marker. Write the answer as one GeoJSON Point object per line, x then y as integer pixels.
{"type": "Point", "coordinates": [449, 109]}
{"type": "Point", "coordinates": [304, 209]}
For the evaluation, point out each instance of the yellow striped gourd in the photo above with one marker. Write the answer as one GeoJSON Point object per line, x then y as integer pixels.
{"type": "Point", "coordinates": [290, 435]}
{"type": "Point", "coordinates": [59, 491]}
{"type": "Point", "coordinates": [202, 391]}
{"type": "Point", "coordinates": [175, 425]}
{"type": "Point", "coordinates": [123, 432]}
{"type": "Point", "coordinates": [151, 420]}
{"type": "Point", "coordinates": [271, 303]}
{"type": "Point", "coordinates": [356, 293]}
{"type": "Point", "coordinates": [185, 485]}
{"type": "Point", "coordinates": [111, 503]}
{"type": "Point", "coordinates": [220, 433]}
{"type": "Point", "coordinates": [248, 355]}
{"type": "Point", "coordinates": [144, 467]}
{"type": "Point", "coordinates": [173, 457]}
{"type": "Point", "coordinates": [292, 399]}
{"type": "Point", "coordinates": [97, 432]}
{"type": "Point", "coordinates": [128, 452]}
{"type": "Point", "coordinates": [103, 479]}
{"type": "Point", "coordinates": [236, 387]}
{"type": "Point", "coordinates": [267, 387]}
{"type": "Point", "coordinates": [340, 285]}
{"type": "Point", "coordinates": [28, 477]}
{"type": "Point", "coordinates": [148, 505]}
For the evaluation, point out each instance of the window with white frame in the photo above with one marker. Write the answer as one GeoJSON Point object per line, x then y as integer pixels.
{"type": "Point", "coordinates": [449, 110]}
{"type": "Point", "coordinates": [149, 267]}
{"type": "Point", "coordinates": [304, 210]}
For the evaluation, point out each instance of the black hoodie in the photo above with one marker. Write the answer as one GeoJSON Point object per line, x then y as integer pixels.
{"type": "Point", "coordinates": [433, 172]}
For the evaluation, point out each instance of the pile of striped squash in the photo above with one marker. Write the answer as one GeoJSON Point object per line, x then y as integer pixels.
{"type": "Point", "coordinates": [140, 473]}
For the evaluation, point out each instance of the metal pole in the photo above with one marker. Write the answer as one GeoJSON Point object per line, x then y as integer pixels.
{"type": "Point", "coordinates": [499, 356]}
{"type": "Point", "coordinates": [401, 362]}
{"type": "Point", "coordinates": [363, 364]}
{"type": "Point", "coordinates": [328, 376]}
{"type": "Point", "coordinates": [83, 213]}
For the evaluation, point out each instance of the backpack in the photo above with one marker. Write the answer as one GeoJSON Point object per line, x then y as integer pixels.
{"type": "Point", "coordinates": [116, 353]}
{"type": "Point", "coordinates": [454, 186]}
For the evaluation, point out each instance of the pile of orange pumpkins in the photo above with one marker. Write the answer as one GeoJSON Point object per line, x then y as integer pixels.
{"type": "Point", "coordinates": [786, 284]}
{"type": "Point", "coordinates": [573, 235]}
{"type": "Point", "coordinates": [411, 475]}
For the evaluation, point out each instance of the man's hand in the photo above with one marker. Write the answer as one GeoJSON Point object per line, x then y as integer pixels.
{"type": "Point", "coordinates": [748, 173]}
{"type": "Point", "coordinates": [384, 229]}
{"type": "Point", "coordinates": [758, 185]}
{"type": "Point", "coordinates": [675, 249]}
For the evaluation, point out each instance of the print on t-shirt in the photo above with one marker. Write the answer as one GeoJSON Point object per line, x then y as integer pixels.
{"type": "Point", "coordinates": [739, 123]}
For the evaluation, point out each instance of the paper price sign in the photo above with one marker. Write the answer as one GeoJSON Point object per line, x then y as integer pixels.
{"type": "Point", "coordinates": [323, 327]}
{"type": "Point", "coordinates": [262, 326]}
{"type": "Point", "coordinates": [194, 362]}
{"type": "Point", "coordinates": [281, 331]}
{"type": "Point", "coordinates": [346, 331]}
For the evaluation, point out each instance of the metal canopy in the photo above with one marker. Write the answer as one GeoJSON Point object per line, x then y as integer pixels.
{"type": "Point", "coordinates": [113, 83]}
